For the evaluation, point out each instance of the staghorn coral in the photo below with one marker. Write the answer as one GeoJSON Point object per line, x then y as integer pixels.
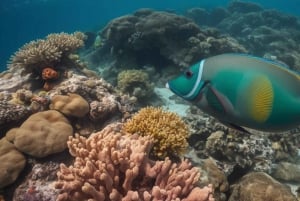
{"type": "Point", "coordinates": [167, 129]}
{"type": "Point", "coordinates": [135, 83]}
{"type": "Point", "coordinates": [54, 51]}
{"type": "Point", "coordinates": [114, 166]}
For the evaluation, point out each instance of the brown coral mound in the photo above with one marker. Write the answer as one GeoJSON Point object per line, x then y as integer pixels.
{"type": "Point", "coordinates": [167, 129]}
{"type": "Point", "coordinates": [42, 134]}
{"type": "Point", "coordinates": [112, 166]}
{"type": "Point", "coordinates": [12, 163]}
{"type": "Point", "coordinates": [70, 105]}
{"type": "Point", "coordinates": [41, 53]}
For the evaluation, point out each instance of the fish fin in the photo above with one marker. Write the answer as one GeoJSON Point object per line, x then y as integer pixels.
{"type": "Point", "coordinates": [214, 100]}
{"type": "Point", "coordinates": [236, 127]}
{"type": "Point", "coordinates": [261, 98]}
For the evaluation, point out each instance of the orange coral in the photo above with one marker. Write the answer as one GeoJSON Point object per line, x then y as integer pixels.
{"type": "Point", "coordinates": [49, 73]}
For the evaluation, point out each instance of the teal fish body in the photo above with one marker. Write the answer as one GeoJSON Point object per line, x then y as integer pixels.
{"type": "Point", "coordinates": [243, 91]}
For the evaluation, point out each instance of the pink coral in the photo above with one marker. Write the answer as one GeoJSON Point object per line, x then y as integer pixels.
{"type": "Point", "coordinates": [114, 166]}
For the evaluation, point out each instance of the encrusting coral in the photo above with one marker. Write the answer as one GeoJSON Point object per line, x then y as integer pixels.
{"type": "Point", "coordinates": [114, 166]}
{"type": "Point", "coordinates": [135, 83]}
{"type": "Point", "coordinates": [167, 129]}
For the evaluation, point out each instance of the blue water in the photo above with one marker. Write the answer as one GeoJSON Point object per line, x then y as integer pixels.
{"type": "Point", "coordinates": [22, 21]}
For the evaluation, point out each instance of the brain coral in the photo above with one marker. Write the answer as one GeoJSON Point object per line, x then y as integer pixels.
{"type": "Point", "coordinates": [167, 129]}
{"type": "Point", "coordinates": [136, 83]}
{"type": "Point", "coordinates": [70, 105]}
{"type": "Point", "coordinates": [12, 163]}
{"type": "Point", "coordinates": [42, 134]}
{"type": "Point", "coordinates": [52, 51]}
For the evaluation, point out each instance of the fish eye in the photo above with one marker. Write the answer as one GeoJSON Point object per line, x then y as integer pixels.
{"type": "Point", "coordinates": [188, 74]}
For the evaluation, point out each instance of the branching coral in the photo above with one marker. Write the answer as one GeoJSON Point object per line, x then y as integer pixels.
{"type": "Point", "coordinates": [52, 51]}
{"type": "Point", "coordinates": [135, 83]}
{"type": "Point", "coordinates": [114, 166]}
{"type": "Point", "coordinates": [167, 129]}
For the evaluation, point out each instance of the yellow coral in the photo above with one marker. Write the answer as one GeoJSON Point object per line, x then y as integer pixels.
{"type": "Point", "coordinates": [167, 129]}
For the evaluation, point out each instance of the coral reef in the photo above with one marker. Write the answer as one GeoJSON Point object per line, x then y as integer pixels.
{"type": "Point", "coordinates": [39, 184]}
{"type": "Point", "coordinates": [259, 186]}
{"type": "Point", "coordinates": [135, 83]}
{"type": "Point", "coordinates": [70, 105]}
{"type": "Point", "coordinates": [11, 112]}
{"type": "Point", "coordinates": [52, 51]}
{"type": "Point", "coordinates": [230, 147]}
{"type": "Point", "coordinates": [42, 134]}
{"type": "Point", "coordinates": [159, 39]}
{"type": "Point", "coordinates": [251, 151]}
{"type": "Point", "coordinates": [263, 32]}
{"type": "Point", "coordinates": [167, 129]}
{"type": "Point", "coordinates": [12, 163]}
{"type": "Point", "coordinates": [110, 165]}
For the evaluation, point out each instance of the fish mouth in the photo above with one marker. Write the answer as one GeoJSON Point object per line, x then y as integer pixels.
{"type": "Point", "coordinates": [167, 85]}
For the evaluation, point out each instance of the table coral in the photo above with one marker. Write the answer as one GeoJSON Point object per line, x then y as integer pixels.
{"type": "Point", "coordinates": [167, 129]}
{"type": "Point", "coordinates": [12, 163]}
{"type": "Point", "coordinates": [114, 166]}
{"type": "Point", "coordinates": [70, 105]}
{"type": "Point", "coordinates": [42, 134]}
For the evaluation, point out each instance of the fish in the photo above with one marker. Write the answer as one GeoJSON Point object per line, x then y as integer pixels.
{"type": "Point", "coordinates": [242, 91]}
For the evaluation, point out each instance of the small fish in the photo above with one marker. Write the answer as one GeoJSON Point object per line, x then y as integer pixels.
{"type": "Point", "coordinates": [243, 91]}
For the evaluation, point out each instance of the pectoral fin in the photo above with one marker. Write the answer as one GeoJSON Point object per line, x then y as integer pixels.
{"type": "Point", "coordinates": [216, 100]}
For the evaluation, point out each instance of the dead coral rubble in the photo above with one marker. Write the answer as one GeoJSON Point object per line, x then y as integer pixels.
{"type": "Point", "coordinates": [114, 166]}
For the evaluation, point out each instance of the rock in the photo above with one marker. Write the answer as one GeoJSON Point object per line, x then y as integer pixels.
{"type": "Point", "coordinates": [287, 172]}
{"type": "Point", "coordinates": [258, 186]}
